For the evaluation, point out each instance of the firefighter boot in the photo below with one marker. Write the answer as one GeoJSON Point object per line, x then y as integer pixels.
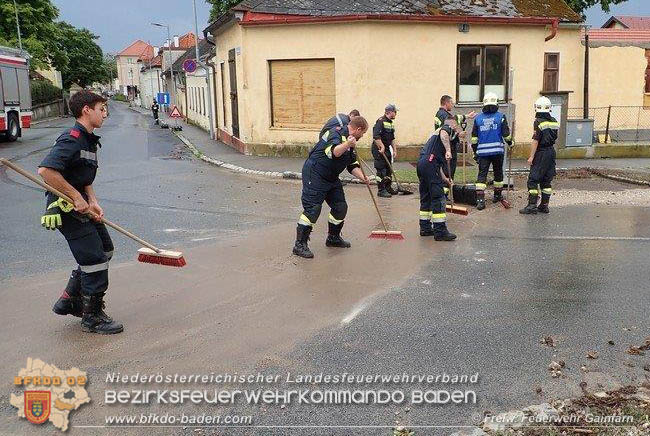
{"type": "Point", "coordinates": [480, 200]}
{"type": "Point", "coordinates": [426, 229]}
{"type": "Point", "coordinates": [334, 238]}
{"type": "Point", "coordinates": [69, 303]}
{"type": "Point", "coordinates": [301, 248]}
{"type": "Point", "coordinates": [381, 190]}
{"type": "Point", "coordinates": [531, 209]}
{"type": "Point", "coordinates": [94, 319]}
{"type": "Point", "coordinates": [497, 195]}
{"type": "Point", "coordinates": [543, 205]}
{"type": "Point", "coordinates": [441, 233]}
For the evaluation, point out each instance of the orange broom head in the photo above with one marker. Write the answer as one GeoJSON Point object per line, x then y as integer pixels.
{"type": "Point", "coordinates": [165, 258]}
{"type": "Point", "coordinates": [458, 210]}
{"type": "Point", "coordinates": [391, 234]}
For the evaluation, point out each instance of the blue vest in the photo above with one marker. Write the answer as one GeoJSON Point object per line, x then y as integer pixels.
{"type": "Point", "coordinates": [490, 140]}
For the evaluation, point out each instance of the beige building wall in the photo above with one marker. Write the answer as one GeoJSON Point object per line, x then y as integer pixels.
{"type": "Point", "coordinates": [197, 90]}
{"type": "Point", "coordinates": [126, 64]}
{"type": "Point", "coordinates": [52, 75]}
{"type": "Point", "coordinates": [409, 64]}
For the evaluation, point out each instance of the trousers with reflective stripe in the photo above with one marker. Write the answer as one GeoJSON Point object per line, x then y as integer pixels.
{"type": "Point", "coordinates": [92, 249]}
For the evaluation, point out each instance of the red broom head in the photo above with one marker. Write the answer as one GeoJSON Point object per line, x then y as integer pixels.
{"type": "Point", "coordinates": [165, 258]}
{"type": "Point", "coordinates": [380, 234]}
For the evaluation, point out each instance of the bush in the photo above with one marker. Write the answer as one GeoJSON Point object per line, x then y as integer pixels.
{"type": "Point", "coordinates": [43, 91]}
{"type": "Point", "coordinates": [119, 97]}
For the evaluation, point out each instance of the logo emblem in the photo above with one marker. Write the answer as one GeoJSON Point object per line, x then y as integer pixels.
{"type": "Point", "coordinates": [37, 406]}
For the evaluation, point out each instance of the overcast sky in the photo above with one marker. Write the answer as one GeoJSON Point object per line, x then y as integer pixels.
{"type": "Point", "coordinates": [120, 22]}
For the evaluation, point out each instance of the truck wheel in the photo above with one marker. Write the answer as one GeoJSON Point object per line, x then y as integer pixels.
{"type": "Point", "coordinates": [13, 128]}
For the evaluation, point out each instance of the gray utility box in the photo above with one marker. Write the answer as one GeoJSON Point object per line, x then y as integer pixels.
{"type": "Point", "coordinates": [579, 133]}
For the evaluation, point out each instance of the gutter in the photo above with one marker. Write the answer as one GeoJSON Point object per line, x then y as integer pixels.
{"type": "Point", "coordinates": [554, 26]}
{"type": "Point", "coordinates": [252, 19]}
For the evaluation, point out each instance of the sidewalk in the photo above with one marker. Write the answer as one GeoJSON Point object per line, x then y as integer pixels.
{"type": "Point", "coordinates": [222, 155]}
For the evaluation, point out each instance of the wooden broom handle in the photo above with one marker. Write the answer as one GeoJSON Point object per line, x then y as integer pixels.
{"type": "Point", "coordinates": [371, 195]}
{"type": "Point", "coordinates": [56, 192]}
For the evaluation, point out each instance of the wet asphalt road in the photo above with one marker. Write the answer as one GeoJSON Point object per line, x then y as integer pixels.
{"type": "Point", "coordinates": [477, 306]}
{"type": "Point", "coordinates": [146, 183]}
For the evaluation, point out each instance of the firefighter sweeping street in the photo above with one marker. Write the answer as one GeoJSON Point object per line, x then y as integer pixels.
{"type": "Point", "coordinates": [382, 218]}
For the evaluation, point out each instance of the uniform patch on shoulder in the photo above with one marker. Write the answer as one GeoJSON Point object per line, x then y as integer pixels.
{"type": "Point", "coordinates": [75, 133]}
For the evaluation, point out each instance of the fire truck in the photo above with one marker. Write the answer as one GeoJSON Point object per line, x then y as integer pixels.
{"type": "Point", "coordinates": [15, 94]}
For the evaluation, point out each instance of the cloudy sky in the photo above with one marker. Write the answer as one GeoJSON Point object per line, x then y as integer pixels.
{"type": "Point", "coordinates": [120, 22]}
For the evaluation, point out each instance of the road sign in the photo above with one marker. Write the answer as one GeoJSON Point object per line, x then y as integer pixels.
{"type": "Point", "coordinates": [163, 98]}
{"type": "Point", "coordinates": [189, 65]}
{"type": "Point", "coordinates": [176, 113]}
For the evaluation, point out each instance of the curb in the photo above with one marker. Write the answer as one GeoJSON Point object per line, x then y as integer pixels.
{"type": "Point", "coordinates": [599, 173]}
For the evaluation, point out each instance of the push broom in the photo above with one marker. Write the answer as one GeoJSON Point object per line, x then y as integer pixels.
{"type": "Point", "coordinates": [379, 234]}
{"type": "Point", "coordinates": [399, 187]}
{"type": "Point", "coordinates": [452, 208]}
{"type": "Point", "coordinates": [148, 254]}
{"type": "Point", "coordinates": [505, 201]}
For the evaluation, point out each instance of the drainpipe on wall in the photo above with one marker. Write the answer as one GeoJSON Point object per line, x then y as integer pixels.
{"type": "Point", "coordinates": [554, 25]}
{"type": "Point", "coordinates": [585, 114]}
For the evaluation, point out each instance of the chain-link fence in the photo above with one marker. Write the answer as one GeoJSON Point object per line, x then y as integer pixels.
{"type": "Point", "coordinates": [619, 123]}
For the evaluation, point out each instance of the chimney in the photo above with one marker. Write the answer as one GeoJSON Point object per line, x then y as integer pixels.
{"type": "Point", "coordinates": [167, 43]}
{"type": "Point", "coordinates": [155, 51]}
{"type": "Point", "coordinates": [176, 41]}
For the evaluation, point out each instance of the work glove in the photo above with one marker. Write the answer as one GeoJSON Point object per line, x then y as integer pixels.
{"type": "Point", "coordinates": [51, 220]}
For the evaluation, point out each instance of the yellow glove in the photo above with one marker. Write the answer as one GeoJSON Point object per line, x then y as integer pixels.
{"type": "Point", "coordinates": [52, 220]}
{"type": "Point", "coordinates": [63, 205]}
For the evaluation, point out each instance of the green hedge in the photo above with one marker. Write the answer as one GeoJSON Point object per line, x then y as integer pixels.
{"type": "Point", "coordinates": [44, 91]}
{"type": "Point", "coordinates": [119, 97]}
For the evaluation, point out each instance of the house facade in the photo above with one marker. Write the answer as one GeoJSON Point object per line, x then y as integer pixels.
{"type": "Point", "coordinates": [128, 66]}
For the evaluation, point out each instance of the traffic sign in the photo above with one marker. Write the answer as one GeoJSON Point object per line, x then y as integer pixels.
{"type": "Point", "coordinates": [176, 113]}
{"type": "Point", "coordinates": [189, 65]}
{"type": "Point", "coordinates": [163, 98]}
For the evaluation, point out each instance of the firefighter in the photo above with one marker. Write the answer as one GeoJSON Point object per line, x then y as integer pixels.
{"type": "Point", "coordinates": [334, 152]}
{"type": "Point", "coordinates": [542, 158]}
{"type": "Point", "coordinates": [339, 120]}
{"type": "Point", "coordinates": [71, 167]}
{"type": "Point", "coordinates": [433, 176]}
{"type": "Point", "coordinates": [489, 133]}
{"type": "Point", "coordinates": [446, 106]}
{"type": "Point", "coordinates": [384, 148]}
{"type": "Point", "coordinates": [155, 108]}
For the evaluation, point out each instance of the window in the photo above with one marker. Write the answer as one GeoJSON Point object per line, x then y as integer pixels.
{"type": "Point", "coordinates": [481, 69]}
{"type": "Point", "coordinates": [202, 101]}
{"type": "Point", "coordinates": [551, 72]}
{"type": "Point", "coordinates": [303, 92]}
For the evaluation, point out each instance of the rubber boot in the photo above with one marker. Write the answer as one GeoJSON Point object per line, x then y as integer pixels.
{"type": "Point", "coordinates": [334, 238]}
{"type": "Point", "coordinates": [498, 195]}
{"type": "Point", "coordinates": [426, 229]}
{"type": "Point", "coordinates": [69, 303]}
{"type": "Point", "coordinates": [480, 200]}
{"type": "Point", "coordinates": [441, 233]}
{"type": "Point", "coordinates": [301, 248]}
{"type": "Point", "coordinates": [543, 205]}
{"type": "Point", "coordinates": [531, 209]}
{"type": "Point", "coordinates": [94, 320]}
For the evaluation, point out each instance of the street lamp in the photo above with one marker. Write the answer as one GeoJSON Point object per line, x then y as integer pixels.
{"type": "Point", "coordinates": [207, 75]}
{"type": "Point", "coordinates": [171, 63]}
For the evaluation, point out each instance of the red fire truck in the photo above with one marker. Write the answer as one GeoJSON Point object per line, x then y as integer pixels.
{"type": "Point", "coordinates": [15, 94]}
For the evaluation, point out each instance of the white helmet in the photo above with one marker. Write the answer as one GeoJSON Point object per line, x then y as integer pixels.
{"type": "Point", "coordinates": [543, 105]}
{"type": "Point", "coordinates": [490, 99]}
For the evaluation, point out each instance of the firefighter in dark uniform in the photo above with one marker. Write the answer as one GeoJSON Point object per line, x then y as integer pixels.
{"type": "Point", "coordinates": [339, 120]}
{"type": "Point", "coordinates": [334, 153]}
{"type": "Point", "coordinates": [542, 158]}
{"type": "Point", "coordinates": [433, 176]}
{"type": "Point", "coordinates": [383, 135]}
{"type": "Point", "coordinates": [155, 108]}
{"type": "Point", "coordinates": [71, 167]}
{"type": "Point", "coordinates": [489, 133]}
{"type": "Point", "coordinates": [446, 106]}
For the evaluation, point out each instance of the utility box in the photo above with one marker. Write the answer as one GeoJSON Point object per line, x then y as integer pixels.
{"type": "Point", "coordinates": [559, 111]}
{"type": "Point", "coordinates": [579, 133]}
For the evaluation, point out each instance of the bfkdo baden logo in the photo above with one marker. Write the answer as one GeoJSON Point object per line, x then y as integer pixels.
{"type": "Point", "coordinates": [50, 394]}
{"type": "Point", "coordinates": [37, 406]}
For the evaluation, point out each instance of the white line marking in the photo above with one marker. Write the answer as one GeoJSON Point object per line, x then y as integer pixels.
{"type": "Point", "coordinates": [595, 238]}
{"type": "Point", "coordinates": [357, 310]}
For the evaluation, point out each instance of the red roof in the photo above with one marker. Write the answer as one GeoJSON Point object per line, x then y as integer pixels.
{"type": "Point", "coordinates": [619, 35]}
{"type": "Point", "coordinates": [140, 49]}
{"type": "Point", "coordinates": [629, 22]}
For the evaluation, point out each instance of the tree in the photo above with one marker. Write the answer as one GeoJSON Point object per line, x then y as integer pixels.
{"type": "Point", "coordinates": [581, 5]}
{"type": "Point", "coordinates": [40, 35]}
{"type": "Point", "coordinates": [86, 60]}
{"type": "Point", "coordinates": [220, 7]}
{"type": "Point", "coordinates": [109, 68]}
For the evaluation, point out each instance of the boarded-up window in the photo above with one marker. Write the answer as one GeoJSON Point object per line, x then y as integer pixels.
{"type": "Point", "coordinates": [551, 72]}
{"type": "Point", "coordinates": [303, 92]}
{"type": "Point", "coordinates": [647, 72]}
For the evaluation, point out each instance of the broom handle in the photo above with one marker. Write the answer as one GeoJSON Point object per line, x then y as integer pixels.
{"type": "Point", "coordinates": [391, 170]}
{"type": "Point", "coordinates": [371, 195]}
{"type": "Point", "coordinates": [451, 184]}
{"type": "Point", "coordinates": [464, 162]}
{"type": "Point", "coordinates": [510, 162]}
{"type": "Point", "coordinates": [56, 192]}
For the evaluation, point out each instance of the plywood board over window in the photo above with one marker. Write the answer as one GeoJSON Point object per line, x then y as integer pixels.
{"type": "Point", "coordinates": [303, 92]}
